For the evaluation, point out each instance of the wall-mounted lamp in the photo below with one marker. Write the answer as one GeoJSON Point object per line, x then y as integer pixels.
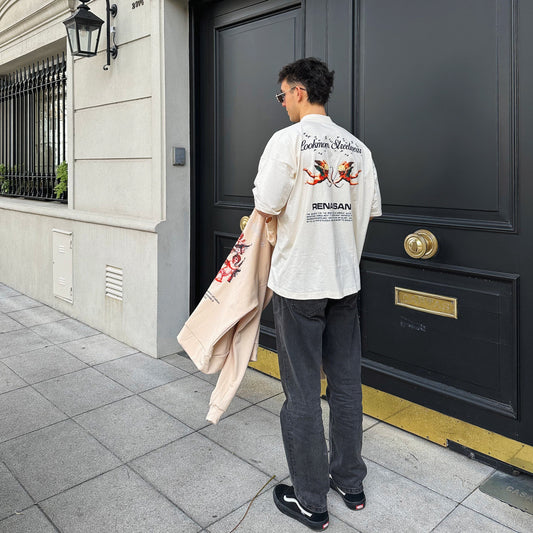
{"type": "Point", "coordinates": [83, 32]}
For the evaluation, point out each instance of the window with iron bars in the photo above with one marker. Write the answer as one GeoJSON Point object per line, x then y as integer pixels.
{"type": "Point", "coordinates": [33, 131]}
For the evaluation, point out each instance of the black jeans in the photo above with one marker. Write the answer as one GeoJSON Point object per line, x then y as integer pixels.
{"type": "Point", "coordinates": [310, 333]}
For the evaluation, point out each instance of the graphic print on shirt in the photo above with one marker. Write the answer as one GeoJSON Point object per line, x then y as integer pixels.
{"type": "Point", "coordinates": [232, 265]}
{"type": "Point", "coordinates": [336, 174]}
{"type": "Point", "coordinates": [323, 173]}
{"type": "Point", "coordinates": [344, 170]}
{"type": "Point", "coordinates": [322, 148]}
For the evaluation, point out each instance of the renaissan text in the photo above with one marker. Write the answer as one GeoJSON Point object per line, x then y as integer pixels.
{"type": "Point", "coordinates": [332, 205]}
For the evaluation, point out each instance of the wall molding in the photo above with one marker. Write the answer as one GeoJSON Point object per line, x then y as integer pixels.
{"type": "Point", "coordinates": [22, 18]}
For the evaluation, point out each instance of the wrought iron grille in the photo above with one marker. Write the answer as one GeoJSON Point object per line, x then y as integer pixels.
{"type": "Point", "coordinates": [33, 130]}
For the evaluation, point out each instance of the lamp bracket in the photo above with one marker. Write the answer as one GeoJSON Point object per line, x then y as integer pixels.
{"type": "Point", "coordinates": [112, 51]}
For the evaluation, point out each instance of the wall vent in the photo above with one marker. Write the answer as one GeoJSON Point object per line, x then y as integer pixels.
{"type": "Point", "coordinates": [113, 282]}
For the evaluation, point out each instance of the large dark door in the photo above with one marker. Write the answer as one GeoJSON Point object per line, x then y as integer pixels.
{"type": "Point", "coordinates": [444, 100]}
{"type": "Point", "coordinates": [441, 92]}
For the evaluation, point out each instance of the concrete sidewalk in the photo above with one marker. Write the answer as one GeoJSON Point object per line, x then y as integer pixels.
{"type": "Point", "coordinates": [97, 437]}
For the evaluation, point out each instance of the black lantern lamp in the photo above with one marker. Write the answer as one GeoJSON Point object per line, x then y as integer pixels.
{"type": "Point", "coordinates": [83, 32]}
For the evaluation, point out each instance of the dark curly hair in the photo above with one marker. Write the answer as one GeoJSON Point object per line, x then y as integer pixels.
{"type": "Point", "coordinates": [313, 74]}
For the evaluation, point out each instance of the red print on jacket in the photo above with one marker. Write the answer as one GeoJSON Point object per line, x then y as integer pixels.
{"type": "Point", "coordinates": [232, 265]}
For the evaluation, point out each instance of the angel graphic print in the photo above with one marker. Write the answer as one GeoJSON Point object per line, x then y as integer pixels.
{"type": "Point", "coordinates": [321, 182]}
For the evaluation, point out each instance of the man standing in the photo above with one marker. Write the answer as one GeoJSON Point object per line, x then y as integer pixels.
{"type": "Point", "coordinates": [321, 183]}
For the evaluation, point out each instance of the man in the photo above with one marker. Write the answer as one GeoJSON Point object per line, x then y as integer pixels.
{"type": "Point", "coordinates": [321, 183]}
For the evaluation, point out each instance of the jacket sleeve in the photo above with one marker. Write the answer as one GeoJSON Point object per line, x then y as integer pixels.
{"type": "Point", "coordinates": [242, 351]}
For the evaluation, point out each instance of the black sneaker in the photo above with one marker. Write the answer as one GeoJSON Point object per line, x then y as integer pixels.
{"type": "Point", "coordinates": [356, 502]}
{"type": "Point", "coordinates": [287, 503]}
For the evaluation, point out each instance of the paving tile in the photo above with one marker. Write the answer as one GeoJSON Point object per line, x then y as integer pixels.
{"type": "Point", "coordinates": [9, 380]}
{"type": "Point", "coordinates": [188, 400]}
{"type": "Point", "coordinates": [20, 341]}
{"type": "Point", "coordinates": [264, 516]}
{"type": "Point", "coordinates": [81, 391]}
{"type": "Point", "coordinates": [7, 324]}
{"type": "Point", "coordinates": [37, 315]}
{"type": "Point", "coordinates": [17, 303]}
{"type": "Point", "coordinates": [463, 519]}
{"type": "Point", "coordinates": [119, 500]}
{"type": "Point", "coordinates": [7, 292]}
{"type": "Point", "coordinates": [13, 498]}
{"type": "Point", "coordinates": [132, 427]}
{"type": "Point", "coordinates": [255, 386]}
{"type": "Point", "coordinates": [140, 372]}
{"type": "Point", "coordinates": [201, 478]}
{"type": "Point", "coordinates": [64, 331]}
{"type": "Point", "coordinates": [369, 422]}
{"type": "Point", "coordinates": [25, 410]}
{"type": "Point", "coordinates": [273, 404]}
{"type": "Point", "coordinates": [98, 349]}
{"type": "Point", "coordinates": [31, 520]}
{"type": "Point", "coordinates": [254, 435]}
{"type": "Point", "coordinates": [182, 361]}
{"type": "Point", "coordinates": [43, 363]}
{"type": "Point", "coordinates": [394, 504]}
{"type": "Point", "coordinates": [499, 511]}
{"type": "Point", "coordinates": [438, 468]}
{"type": "Point", "coordinates": [53, 459]}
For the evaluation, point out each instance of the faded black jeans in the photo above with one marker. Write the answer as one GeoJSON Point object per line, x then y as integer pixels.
{"type": "Point", "coordinates": [310, 333]}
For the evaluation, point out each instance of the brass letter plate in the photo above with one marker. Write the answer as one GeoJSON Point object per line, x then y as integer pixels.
{"type": "Point", "coordinates": [425, 302]}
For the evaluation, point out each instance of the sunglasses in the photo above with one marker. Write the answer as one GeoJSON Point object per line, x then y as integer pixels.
{"type": "Point", "coordinates": [281, 96]}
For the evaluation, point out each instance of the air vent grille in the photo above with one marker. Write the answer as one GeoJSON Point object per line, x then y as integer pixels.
{"type": "Point", "coordinates": [113, 282]}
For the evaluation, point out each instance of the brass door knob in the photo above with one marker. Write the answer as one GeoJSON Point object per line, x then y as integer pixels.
{"type": "Point", "coordinates": [421, 244]}
{"type": "Point", "coordinates": [243, 222]}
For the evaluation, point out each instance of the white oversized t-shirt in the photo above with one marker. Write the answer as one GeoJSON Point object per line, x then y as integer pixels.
{"type": "Point", "coordinates": [321, 182]}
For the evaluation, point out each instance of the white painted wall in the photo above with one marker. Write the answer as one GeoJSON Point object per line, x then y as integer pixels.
{"type": "Point", "coordinates": [174, 241]}
{"type": "Point", "coordinates": [128, 206]}
{"type": "Point", "coordinates": [29, 269]}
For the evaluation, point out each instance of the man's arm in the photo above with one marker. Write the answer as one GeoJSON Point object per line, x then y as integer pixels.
{"type": "Point", "coordinates": [276, 175]}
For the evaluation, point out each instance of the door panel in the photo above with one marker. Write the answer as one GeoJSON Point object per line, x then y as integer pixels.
{"type": "Point", "coordinates": [436, 95]}
{"type": "Point", "coordinates": [469, 356]}
{"type": "Point", "coordinates": [247, 55]}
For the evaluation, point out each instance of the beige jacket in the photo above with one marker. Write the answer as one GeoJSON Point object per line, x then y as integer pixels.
{"type": "Point", "coordinates": [222, 333]}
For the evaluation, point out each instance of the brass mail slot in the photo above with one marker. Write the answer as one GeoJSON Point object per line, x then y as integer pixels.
{"type": "Point", "coordinates": [425, 302]}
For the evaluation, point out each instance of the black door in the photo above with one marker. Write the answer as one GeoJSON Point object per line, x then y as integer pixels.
{"type": "Point", "coordinates": [441, 91]}
{"type": "Point", "coordinates": [444, 100]}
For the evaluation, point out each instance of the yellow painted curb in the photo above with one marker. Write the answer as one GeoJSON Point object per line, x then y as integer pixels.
{"type": "Point", "coordinates": [424, 422]}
